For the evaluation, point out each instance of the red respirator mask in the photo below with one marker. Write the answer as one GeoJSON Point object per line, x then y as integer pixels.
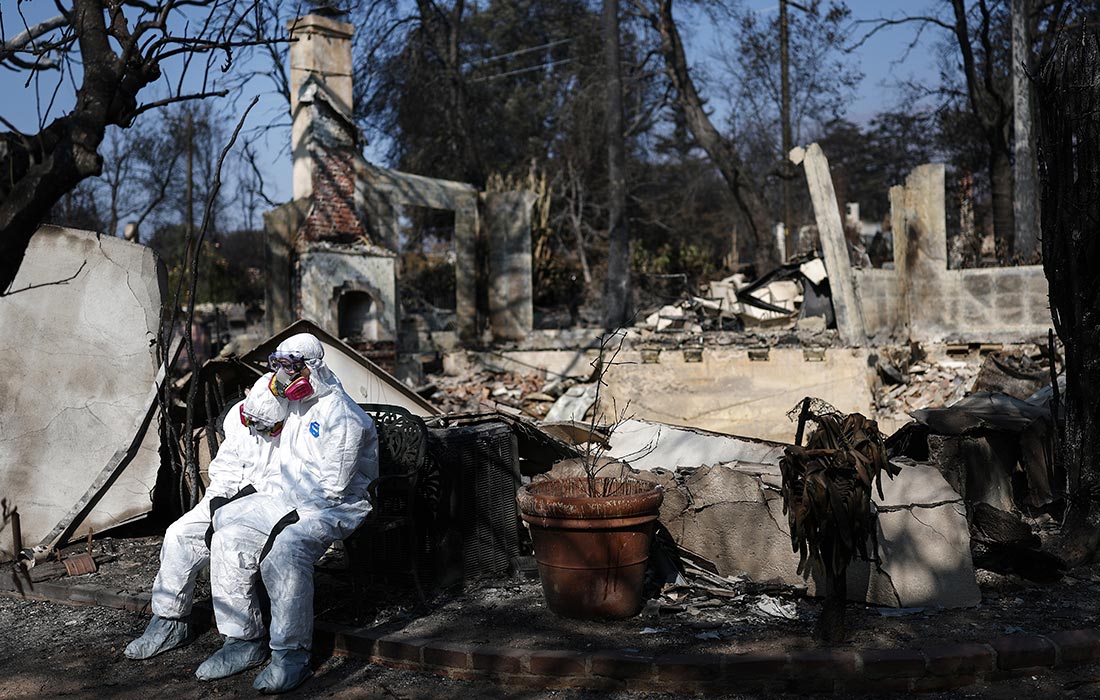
{"type": "Point", "coordinates": [288, 381]}
{"type": "Point", "coordinates": [293, 389]}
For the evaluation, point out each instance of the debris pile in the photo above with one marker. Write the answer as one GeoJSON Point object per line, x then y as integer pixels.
{"type": "Point", "coordinates": [487, 390]}
{"type": "Point", "coordinates": [924, 384]}
{"type": "Point", "coordinates": [721, 607]}
{"type": "Point", "coordinates": [910, 381]}
{"type": "Point", "coordinates": [734, 303]}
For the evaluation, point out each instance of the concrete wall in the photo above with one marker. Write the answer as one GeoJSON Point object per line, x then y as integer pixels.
{"type": "Point", "coordinates": [733, 515]}
{"type": "Point", "coordinates": [511, 294]}
{"type": "Point", "coordinates": [79, 367]}
{"type": "Point", "coordinates": [882, 305]}
{"type": "Point", "coordinates": [923, 300]}
{"type": "Point", "coordinates": [725, 391]}
{"type": "Point", "coordinates": [728, 392]}
{"type": "Point", "coordinates": [383, 192]}
{"type": "Point", "coordinates": [506, 239]}
{"type": "Point", "coordinates": [994, 304]}
{"type": "Point", "coordinates": [281, 226]}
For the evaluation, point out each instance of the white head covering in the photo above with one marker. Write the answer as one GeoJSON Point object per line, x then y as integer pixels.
{"type": "Point", "coordinates": [263, 406]}
{"type": "Point", "coordinates": [306, 346]}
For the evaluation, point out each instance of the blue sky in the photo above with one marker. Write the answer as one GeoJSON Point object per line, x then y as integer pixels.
{"type": "Point", "coordinates": [878, 59]}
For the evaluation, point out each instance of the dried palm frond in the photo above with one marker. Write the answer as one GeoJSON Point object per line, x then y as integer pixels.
{"type": "Point", "coordinates": [827, 499]}
{"type": "Point", "coordinates": [827, 491]}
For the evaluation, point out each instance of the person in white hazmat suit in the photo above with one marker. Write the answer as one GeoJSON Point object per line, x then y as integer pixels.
{"type": "Point", "coordinates": [328, 455]}
{"type": "Point", "coordinates": [252, 429]}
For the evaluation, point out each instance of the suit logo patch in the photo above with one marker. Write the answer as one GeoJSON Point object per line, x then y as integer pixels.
{"type": "Point", "coordinates": [315, 429]}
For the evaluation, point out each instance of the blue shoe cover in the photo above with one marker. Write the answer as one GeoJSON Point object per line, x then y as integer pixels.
{"type": "Point", "coordinates": [235, 656]}
{"type": "Point", "coordinates": [289, 668]}
{"type": "Point", "coordinates": [162, 634]}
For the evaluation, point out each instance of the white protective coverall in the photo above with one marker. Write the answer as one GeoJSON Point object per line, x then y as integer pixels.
{"type": "Point", "coordinates": [240, 466]}
{"type": "Point", "coordinates": [244, 459]}
{"type": "Point", "coordinates": [327, 456]}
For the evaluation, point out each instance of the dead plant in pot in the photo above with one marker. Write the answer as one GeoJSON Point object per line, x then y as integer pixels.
{"type": "Point", "coordinates": [592, 522]}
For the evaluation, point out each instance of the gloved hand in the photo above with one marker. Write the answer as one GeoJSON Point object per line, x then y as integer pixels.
{"type": "Point", "coordinates": [236, 655]}
{"type": "Point", "coordinates": [289, 668]}
{"type": "Point", "coordinates": [162, 634]}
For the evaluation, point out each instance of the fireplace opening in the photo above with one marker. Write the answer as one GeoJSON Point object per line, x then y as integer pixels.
{"type": "Point", "coordinates": [357, 317]}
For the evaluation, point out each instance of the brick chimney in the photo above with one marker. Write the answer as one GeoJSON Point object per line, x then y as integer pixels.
{"type": "Point", "coordinates": [324, 138]}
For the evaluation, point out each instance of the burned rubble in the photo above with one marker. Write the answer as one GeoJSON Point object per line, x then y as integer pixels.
{"type": "Point", "coordinates": [922, 496]}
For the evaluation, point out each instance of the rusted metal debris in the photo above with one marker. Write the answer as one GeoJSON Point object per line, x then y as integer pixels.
{"type": "Point", "coordinates": [82, 563]}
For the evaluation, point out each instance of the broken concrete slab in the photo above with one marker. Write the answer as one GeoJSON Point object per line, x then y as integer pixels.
{"type": "Point", "coordinates": [926, 554]}
{"type": "Point", "coordinates": [648, 445]}
{"type": "Point", "coordinates": [573, 404]}
{"type": "Point", "coordinates": [979, 467]}
{"type": "Point", "coordinates": [785, 294]}
{"type": "Point", "coordinates": [711, 486]}
{"type": "Point", "coordinates": [79, 344]}
{"type": "Point", "coordinates": [849, 313]}
{"type": "Point", "coordinates": [733, 515]}
{"type": "Point", "coordinates": [575, 432]}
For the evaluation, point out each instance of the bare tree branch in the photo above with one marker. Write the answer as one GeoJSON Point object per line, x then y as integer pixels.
{"type": "Point", "coordinates": [881, 23]}
{"type": "Point", "coordinates": [179, 98]}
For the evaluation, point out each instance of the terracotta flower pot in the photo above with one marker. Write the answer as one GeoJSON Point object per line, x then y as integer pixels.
{"type": "Point", "coordinates": [591, 551]}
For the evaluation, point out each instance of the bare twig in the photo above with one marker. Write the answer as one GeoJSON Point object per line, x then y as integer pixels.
{"type": "Point", "coordinates": [189, 476]}
{"type": "Point", "coordinates": [49, 284]}
{"type": "Point", "coordinates": [178, 98]}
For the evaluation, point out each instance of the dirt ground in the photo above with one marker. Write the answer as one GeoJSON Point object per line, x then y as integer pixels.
{"type": "Point", "coordinates": [513, 609]}
{"type": "Point", "coordinates": [57, 651]}
{"type": "Point", "coordinates": [52, 650]}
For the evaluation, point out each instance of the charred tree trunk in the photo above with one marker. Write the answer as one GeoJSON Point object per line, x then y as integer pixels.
{"type": "Point", "coordinates": [1069, 169]}
{"type": "Point", "coordinates": [721, 151]}
{"type": "Point", "coordinates": [617, 294]}
{"type": "Point", "coordinates": [1025, 198]}
{"type": "Point", "coordinates": [993, 112]}
{"type": "Point", "coordinates": [1001, 179]}
{"type": "Point", "coordinates": [830, 627]}
{"type": "Point", "coordinates": [37, 175]}
{"type": "Point", "coordinates": [444, 30]}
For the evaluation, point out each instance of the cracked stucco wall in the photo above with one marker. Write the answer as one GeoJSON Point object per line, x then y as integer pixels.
{"type": "Point", "coordinates": [79, 353]}
{"type": "Point", "coordinates": [732, 513]}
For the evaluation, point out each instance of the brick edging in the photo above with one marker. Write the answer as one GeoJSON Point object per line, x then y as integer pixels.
{"type": "Point", "coordinates": [818, 670]}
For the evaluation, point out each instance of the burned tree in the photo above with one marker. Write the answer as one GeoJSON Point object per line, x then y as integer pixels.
{"type": "Point", "coordinates": [117, 50]}
{"type": "Point", "coordinates": [617, 296]}
{"type": "Point", "coordinates": [722, 152]}
{"type": "Point", "coordinates": [977, 85]}
{"type": "Point", "coordinates": [1069, 172]}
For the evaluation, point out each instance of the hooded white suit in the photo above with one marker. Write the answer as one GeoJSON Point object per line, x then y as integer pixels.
{"type": "Point", "coordinates": [328, 454]}
{"type": "Point", "coordinates": [244, 460]}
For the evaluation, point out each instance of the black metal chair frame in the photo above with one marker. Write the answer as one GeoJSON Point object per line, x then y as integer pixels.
{"type": "Point", "coordinates": [396, 493]}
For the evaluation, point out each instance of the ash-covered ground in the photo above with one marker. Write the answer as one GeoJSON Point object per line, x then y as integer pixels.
{"type": "Point", "coordinates": [53, 650]}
